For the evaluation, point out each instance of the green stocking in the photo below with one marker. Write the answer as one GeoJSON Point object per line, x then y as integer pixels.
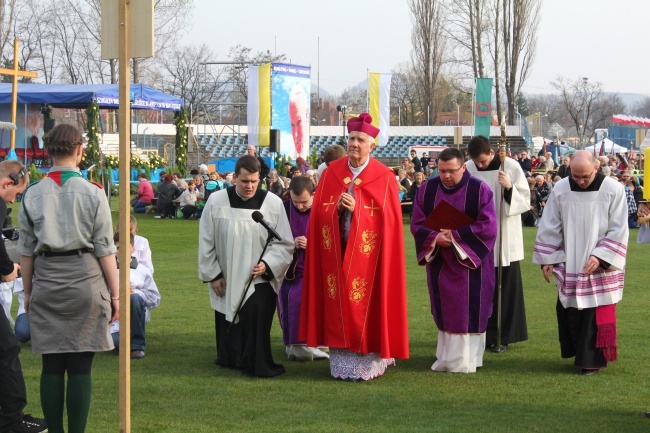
{"type": "Point", "coordinates": [78, 401]}
{"type": "Point", "coordinates": [52, 397]}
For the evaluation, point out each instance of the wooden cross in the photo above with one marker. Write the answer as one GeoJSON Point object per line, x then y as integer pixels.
{"type": "Point", "coordinates": [328, 204]}
{"type": "Point", "coordinates": [15, 73]}
{"type": "Point", "coordinates": [372, 208]}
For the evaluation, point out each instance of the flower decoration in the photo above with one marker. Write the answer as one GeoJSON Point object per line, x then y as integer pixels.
{"type": "Point", "coordinates": [181, 122]}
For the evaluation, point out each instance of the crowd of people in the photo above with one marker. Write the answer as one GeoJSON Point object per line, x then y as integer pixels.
{"type": "Point", "coordinates": [324, 249]}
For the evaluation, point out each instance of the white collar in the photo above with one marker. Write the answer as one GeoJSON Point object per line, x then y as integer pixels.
{"type": "Point", "coordinates": [356, 171]}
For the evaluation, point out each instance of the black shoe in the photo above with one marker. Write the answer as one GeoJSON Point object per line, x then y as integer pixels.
{"type": "Point", "coordinates": [497, 349]}
{"type": "Point", "coordinates": [588, 371]}
{"type": "Point", "coordinates": [647, 414]}
{"type": "Point", "coordinates": [31, 425]}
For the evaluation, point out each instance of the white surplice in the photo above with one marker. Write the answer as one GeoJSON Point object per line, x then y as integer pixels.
{"type": "Point", "coordinates": [230, 242]}
{"type": "Point", "coordinates": [513, 241]}
{"type": "Point", "coordinates": [579, 224]}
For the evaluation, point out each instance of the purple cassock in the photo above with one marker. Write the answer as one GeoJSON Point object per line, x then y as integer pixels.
{"type": "Point", "coordinates": [291, 290]}
{"type": "Point", "coordinates": [461, 288]}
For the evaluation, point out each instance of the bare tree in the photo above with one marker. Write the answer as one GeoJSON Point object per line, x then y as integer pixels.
{"type": "Point", "coordinates": [467, 29]}
{"type": "Point", "coordinates": [428, 47]}
{"type": "Point", "coordinates": [519, 23]}
{"type": "Point", "coordinates": [404, 95]}
{"type": "Point", "coordinates": [7, 18]}
{"type": "Point", "coordinates": [587, 106]}
{"type": "Point", "coordinates": [186, 76]}
{"type": "Point", "coordinates": [642, 108]}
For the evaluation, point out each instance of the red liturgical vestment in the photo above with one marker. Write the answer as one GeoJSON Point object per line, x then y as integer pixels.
{"type": "Point", "coordinates": [354, 293]}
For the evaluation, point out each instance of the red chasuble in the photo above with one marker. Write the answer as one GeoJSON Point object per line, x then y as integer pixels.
{"type": "Point", "coordinates": [356, 300]}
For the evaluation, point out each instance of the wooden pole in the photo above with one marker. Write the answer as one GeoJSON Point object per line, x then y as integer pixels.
{"type": "Point", "coordinates": [14, 97]}
{"type": "Point", "coordinates": [15, 73]}
{"type": "Point", "coordinates": [124, 255]}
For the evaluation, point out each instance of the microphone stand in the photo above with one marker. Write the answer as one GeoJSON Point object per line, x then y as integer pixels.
{"type": "Point", "coordinates": [248, 284]}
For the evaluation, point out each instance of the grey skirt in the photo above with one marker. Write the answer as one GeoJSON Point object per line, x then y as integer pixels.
{"type": "Point", "coordinates": [70, 306]}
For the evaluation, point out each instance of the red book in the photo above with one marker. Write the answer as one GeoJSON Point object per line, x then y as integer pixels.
{"type": "Point", "coordinates": [446, 216]}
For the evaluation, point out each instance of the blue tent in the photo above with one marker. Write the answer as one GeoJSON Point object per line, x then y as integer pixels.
{"type": "Point", "coordinates": [80, 95]}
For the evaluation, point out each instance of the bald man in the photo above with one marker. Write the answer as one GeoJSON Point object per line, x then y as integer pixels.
{"type": "Point", "coordinates": [582, 241]}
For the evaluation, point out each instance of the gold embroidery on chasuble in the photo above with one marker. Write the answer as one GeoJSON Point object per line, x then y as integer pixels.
{"type": "Point", "coordinates": [331, 202]}
{"type": "Point", "coordinates": [368, 242]}
{"type": "Point", "coordinates": [347, 180]}
{"type": "Point", "coordinates": [372, 208]}
{"type": "Point", "coordinates": [327, 237]}
{"type": "Point", "coordinates": [358, 290]}
{"type": "Point", "coordinates": [331, 286]}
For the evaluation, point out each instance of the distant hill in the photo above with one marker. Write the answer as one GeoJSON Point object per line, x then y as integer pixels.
{"type": "Point", "coordinates": [629, 99]}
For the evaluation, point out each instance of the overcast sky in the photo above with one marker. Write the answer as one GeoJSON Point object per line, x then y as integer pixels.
{"type": "Point", "coordinates": [598, 39]}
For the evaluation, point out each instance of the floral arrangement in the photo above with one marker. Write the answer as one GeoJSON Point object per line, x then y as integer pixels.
{"type": "Point", "coordinates": [181, 122]}
{"type": "Point", "coordinates": [111, 161]}
{"type": "Point", "coordinates": [91, 153]}
{"type": "Point", "coordinates": [155, 161]}
{"type": "Point", "coordinates": [138, 163]}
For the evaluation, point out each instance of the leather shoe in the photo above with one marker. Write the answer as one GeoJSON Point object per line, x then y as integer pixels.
{"type": "Point", "coordinates": [588, 371]}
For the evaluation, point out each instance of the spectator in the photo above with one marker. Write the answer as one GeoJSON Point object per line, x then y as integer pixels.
{"type": "Point", "coordinates": [188, 200]}
{"type": "Point", "coordinates": [167, 193]}
{"type": "Point", "coordinates": [302, 165]}
{"type": "Point", "coordinates": [288, 169]}
{"type": "Point", "coordinates": [145, 195]}
{"type": "Point", "coordinates": [198, 182]}
{"type": "Point", "coordinates": [276, 186]}
{"type": "Point", "coordinates": [332, 153]}
{"type": "Point", "coordinates": [403, 180]}
{"type": "Point", "coordinates": [543, 190]}
{"type": "Point", "coordinates": [565, 169]}
{"type": "Point", "coordinates": [525, 162]}
{"type": "Point", "coordinates": [631, 203]}
{"type": "Point", "coordinates": [621, 162]}
{"type": "Point", "coordinates": [179, 182]}
{"type": "Point", "coordinates": [213, 184]}
{"type": "Point", "coordinates": [264, 167]}
{"type": "Point", "coordinates": [425, 161]}
{"type": "Point", "coordinates": [144, 298]}
{"type": "Point", "coordinates": [531, 217]}
{"type": "Point", "coordinates": [417, 164]}
{"type": "Point", "coordinates": [141, 245]}
{"type": "Point", "coordinates": [418, 179]}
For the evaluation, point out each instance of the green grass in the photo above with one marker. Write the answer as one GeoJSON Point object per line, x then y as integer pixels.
{"type": "Point", "coordinates": [177, 388]}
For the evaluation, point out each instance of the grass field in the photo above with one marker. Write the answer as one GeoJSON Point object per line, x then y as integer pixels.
{"type": "Point", "coordinates": [177, 387]}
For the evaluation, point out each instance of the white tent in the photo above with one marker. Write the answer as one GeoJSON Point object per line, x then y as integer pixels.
{"type": "Point", "coordinates": [609, 147]}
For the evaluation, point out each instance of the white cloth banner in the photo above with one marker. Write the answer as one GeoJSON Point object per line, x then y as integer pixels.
{"type": "Point", "coordinates": [253, 108]}
{"type": "Point", "coordinates": [379, 102]}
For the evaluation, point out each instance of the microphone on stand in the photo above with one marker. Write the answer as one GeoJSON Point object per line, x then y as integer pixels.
{"type": "Point", "coordinates": [259, 218]}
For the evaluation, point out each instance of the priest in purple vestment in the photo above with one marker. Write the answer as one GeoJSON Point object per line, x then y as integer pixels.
{"type": "Point", "coordinates": [298, 207]}
{"type": "Point", "coordinates": [459, 262]}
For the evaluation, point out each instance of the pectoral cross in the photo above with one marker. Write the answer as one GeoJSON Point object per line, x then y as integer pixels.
{"type": "Point", "coordinates": [372, 208]}
{"type": "Point", "coordinates": [327, 205]}
{"type": "Point", "coordinates": [15, 73]}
